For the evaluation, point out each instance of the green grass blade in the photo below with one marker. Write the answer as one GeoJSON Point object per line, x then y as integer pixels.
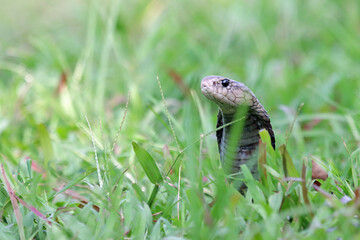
{"type": "Point", "coordinates": [46, 145]}
{"type": "Point", "coordinates": [153, 195]}
{"type": "Point", "coordinates": [265, 137]}
{"type": "Point", "coordinates": [148, 164]}
{"type": "Point", "coordinates": [288, 165]}
{"type": "Point", "coordinates": [76, 180]}
{"type": "Point", "coordinates": [139, 192]}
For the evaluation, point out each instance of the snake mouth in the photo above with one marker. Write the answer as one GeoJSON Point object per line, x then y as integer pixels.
{"type": "Point", "coordinates": [205, 91]}
{"type": "Point", "coordinates": [225, 104]}
{"type": "Point", "coordinates": [210, 94]}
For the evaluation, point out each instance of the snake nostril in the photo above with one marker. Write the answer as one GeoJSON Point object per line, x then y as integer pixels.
{"type": "Point", "coordinates": [213, 83]}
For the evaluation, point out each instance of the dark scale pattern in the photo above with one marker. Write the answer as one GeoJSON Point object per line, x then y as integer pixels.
{"type": "Point", "coordinates": [249, 139]}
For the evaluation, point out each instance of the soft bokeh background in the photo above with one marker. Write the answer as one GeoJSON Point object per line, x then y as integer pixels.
{"type": "Point", "coordinates": [63, 60]}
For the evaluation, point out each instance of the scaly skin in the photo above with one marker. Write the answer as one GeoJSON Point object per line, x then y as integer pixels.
{"type": "Point", "coordinates": [229, 95]}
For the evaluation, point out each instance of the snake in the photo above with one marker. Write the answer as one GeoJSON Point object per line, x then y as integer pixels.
{"type": "Point", "coordinates": [229, 95]}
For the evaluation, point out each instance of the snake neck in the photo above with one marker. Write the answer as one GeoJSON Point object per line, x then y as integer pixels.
{"type": "Point", "coordinates": [247, 143]}
{"type": "Point", "coordinates": [227, 118]}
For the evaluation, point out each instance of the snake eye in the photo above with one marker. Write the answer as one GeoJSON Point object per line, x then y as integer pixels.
{"type": "Point", "coordinates": [225, 82]}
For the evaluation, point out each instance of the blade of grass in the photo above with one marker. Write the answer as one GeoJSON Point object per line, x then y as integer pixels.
{"type": "Point", "coordinates": [148, 164]}
{"type": "Point", "coordinates": [76, 180]}
{"type": "Point", "coordinates": [262, 160]}
{"type": "Point", "coordinates": [46, 145]}
{"type": "Point", "coordinates": [153, 194]}
{"type": "Point", "coordinates": [235, 134]}
{"type": "Point", "coordinates": [304, 188]}
{"type": "Point", "coordinates": [139, 192]}
{"type": "Point", "coordinates": [33, 209]}
{"type": "Point", "coordinates": [200, 138]}
{"type": "Point", "coordinates": [168, 115]}
{"type": "Point", "coordinates": [288, 165]}
{"type": "Point", "coordinates": [14, 203]}
{"type": "Point", "coordinates": [265, 137]}
{"type": "Point", "coordinates": [122, 122]}
{"type": "Point", "coordinates": [96, 157]}
{"type": "Point", "coordinates": [289, 130]}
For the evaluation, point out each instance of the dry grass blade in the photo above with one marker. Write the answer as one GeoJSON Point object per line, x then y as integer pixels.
{"type": "Point", "coordinates": [62, 83]}
{"type": "Point", "coordinates": [322, 192]}
{"type": "Point", "coordinates": [262, 158]}
{"type": "Point", "coordinates": [317, 172]}
{"type": "Point", "coordinates": [33, 209]}
{"type": "Point", "coordinates": [178, 80]}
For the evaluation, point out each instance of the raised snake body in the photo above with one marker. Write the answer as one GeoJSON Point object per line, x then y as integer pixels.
{"type": "Point", "coordinates": [229, 95]}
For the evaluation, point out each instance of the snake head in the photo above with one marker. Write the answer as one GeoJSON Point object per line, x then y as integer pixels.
{"type": "Point", "coordinates": [226, 93]}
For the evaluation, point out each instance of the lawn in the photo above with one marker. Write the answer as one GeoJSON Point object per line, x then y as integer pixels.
{"type": "Point", "coordinates": [104, 132]}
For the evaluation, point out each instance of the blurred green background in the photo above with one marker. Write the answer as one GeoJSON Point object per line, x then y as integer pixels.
{"type": "Point", "coordinates": [63, 60]}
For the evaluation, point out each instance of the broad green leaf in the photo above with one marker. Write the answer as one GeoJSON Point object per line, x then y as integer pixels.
{"type": "Point", "coordinates": [275, 201]}
{"type": "Point", "coordinates": [148, 164]}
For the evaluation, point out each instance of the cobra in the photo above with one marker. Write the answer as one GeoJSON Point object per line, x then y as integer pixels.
{"type": "Point", "coordinates": [229, 95]}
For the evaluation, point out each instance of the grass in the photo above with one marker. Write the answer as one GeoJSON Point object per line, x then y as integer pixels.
{"type": "Point", "coordinates": [63, 63]}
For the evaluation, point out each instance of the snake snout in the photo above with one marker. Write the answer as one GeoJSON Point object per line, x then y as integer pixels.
{"type": "Point", "coordinates": [203, 88]}
{"type": "Point", "coordinates": [209, 82]}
